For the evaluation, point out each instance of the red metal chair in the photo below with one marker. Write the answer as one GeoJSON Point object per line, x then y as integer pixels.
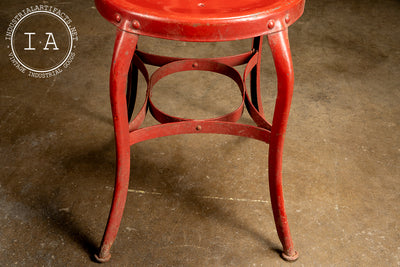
{"type": "Point", "coordinates": [199, 21]}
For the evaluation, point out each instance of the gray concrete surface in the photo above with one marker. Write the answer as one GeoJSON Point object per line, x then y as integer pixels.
{"type": "Point", "coordinates": [202, 200]}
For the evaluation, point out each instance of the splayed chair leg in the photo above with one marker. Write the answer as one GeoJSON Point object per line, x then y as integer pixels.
{"type": "Point", "coordinates": [124, 50]}
{"type": "Point", "coordinates": [255, 76]}
{"type": "Point", "coordinates": [131, 91]}
{"type": "Point", "coordinates": [279, 44]}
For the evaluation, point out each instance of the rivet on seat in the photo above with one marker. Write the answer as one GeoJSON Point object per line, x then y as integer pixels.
{"type": "Point", "coordinates": [271, 24]}
{"type": "Point", "coordinates": [117, 18]}
{"type": "Point", "coordinates": [135, 24]}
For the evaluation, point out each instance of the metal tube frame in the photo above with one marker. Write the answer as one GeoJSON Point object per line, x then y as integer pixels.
{"type": "Point", "coordinates": [127, 62]}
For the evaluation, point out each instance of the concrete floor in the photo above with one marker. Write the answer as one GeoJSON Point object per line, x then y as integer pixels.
{"type": "Point", "coordinates": [202, 200]}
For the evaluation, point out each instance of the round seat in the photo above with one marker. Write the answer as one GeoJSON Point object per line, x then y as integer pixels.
{"type": "Point", "coordinates": [201, 20]}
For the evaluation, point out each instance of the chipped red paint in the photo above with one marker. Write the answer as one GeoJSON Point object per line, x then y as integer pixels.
{"type": "Point", "coordinates": [206, 21]}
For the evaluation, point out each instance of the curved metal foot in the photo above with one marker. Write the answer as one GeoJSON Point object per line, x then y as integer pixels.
{"type": "Point", "coordinates": [279, 44]}
{"type": "Point", "coordinates": [102, 259]}
{"type": "Point", "coordinates": [290, 258]}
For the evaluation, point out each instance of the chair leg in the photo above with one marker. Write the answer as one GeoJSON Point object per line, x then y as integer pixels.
{"type": "Point", "coordinates": [124, 50]}
{"type": "Point", "coordinates": [279, 44]}
{"type": "Point", "coordinates": [255, 77]}
{"type": "Point", "coordinates": [131, 91]}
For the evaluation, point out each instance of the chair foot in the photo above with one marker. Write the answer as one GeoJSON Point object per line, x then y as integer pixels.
{"type": "Point", "coordinates": [102, 259]}
{"type": "Point", "coordinates": [290, 258]}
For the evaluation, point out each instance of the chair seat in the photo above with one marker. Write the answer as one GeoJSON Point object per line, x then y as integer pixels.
{"type": "Point", "coordinates": [201, 20]}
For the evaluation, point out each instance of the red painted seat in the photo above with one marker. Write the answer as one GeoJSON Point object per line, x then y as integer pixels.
{"type": "Point", "coordinates": [199, 21]}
